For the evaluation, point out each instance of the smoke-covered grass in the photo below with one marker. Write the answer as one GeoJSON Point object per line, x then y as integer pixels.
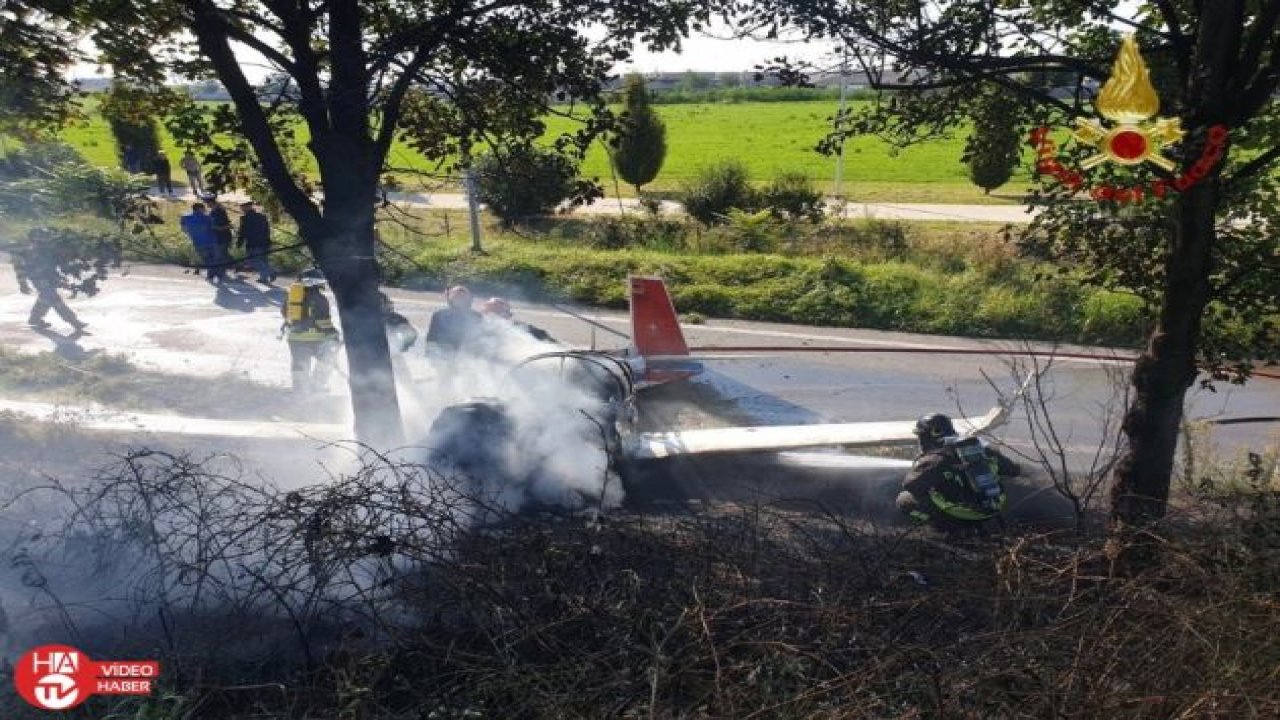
{"type": "Point", "coordinates": [380, 595]}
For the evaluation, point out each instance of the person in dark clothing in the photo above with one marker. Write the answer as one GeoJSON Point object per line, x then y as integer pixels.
{"type": "Point", "coordinates": [955, 482]}
{"type": "Point", "coordinates": [164, 173]}
{"type": "Point", "coordinates": [308, 324]}
{"type": "Point", "coordinates": [448, 332]}
{"type": "Point", "coordinates": [499, 307]}
{"type": "Point", "coordinates": [450, 326]}
{"type": "Point", "coordinates": [130, 159]}
{"type": "Point", "coordinates": [401, 334]}
{"type": "Point", "coordinates": [37, 267]}
{"type": "Point", "coordinates": [222, 228]}
{"type": "Point", "coordinates": [199, 227]}
{"type": "Point", "coordinates": [195, 176]}
{"type": "Point", "coordinates": [255, 240]}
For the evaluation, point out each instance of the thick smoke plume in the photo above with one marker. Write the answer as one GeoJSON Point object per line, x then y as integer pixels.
{"type": "Point", "coordinates": [560, 416]}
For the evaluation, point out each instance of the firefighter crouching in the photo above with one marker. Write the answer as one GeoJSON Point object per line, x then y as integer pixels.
{"type": "Point", "coordinates": [308, 326]}
{"type": "Point", "coordinates": [956, 482]}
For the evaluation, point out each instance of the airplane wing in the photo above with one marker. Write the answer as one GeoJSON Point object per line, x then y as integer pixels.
{"type": "Point", "coordinates": [652, 446]}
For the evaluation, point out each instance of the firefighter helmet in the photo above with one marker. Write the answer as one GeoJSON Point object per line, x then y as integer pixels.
{"type": "Point", "coordinates": [312, 278]}
{"type": "Point", "coordinates": [932, 428]}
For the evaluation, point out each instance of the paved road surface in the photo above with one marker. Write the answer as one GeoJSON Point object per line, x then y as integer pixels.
{"type": "Point", "coordinates": [881, 211]}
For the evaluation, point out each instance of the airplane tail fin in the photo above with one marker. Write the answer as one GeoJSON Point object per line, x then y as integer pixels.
{"type": "Point", "coordinates": [655, 329]}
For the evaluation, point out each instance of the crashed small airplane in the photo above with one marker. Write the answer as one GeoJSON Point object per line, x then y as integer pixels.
{"type": "Point", "coordinates": [483, 434]}
{"type": "Point", "coordinates": [660, 354]}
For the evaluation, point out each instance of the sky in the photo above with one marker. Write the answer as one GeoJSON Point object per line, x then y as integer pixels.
{"type": "Point", "coordinates": [723, 55]}
{"type": "Point", "coordinates": [701, 52]}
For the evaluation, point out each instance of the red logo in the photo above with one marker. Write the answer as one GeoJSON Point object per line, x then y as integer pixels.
{"type": "Point", "coordinates": [1048, 163]}
{"type": "Point", "coordinates": [1133, 135]}
{"type": "Point", "coordinates": [60, 677]}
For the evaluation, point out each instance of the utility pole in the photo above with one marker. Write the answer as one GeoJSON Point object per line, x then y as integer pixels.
{"type": "Point", "coordinates": [844, 88]}
{"type": "Point", "coordinates": [473, 207]}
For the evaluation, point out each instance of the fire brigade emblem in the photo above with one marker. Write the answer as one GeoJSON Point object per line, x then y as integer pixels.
{"type": "Point", "coordinates": [1129, 101]}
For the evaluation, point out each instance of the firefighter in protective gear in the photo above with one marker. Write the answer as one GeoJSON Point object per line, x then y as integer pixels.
{"type": "Point", "coordinates": [955, 482]}
{"type": "Point", "coordinates": [38, 266]}
{"type": "Point", "coordinates": [308, 326]}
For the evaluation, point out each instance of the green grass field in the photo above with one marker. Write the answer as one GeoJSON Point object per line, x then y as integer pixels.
{"type": "Point", "coordinates": [768, 137]}
{"type": "Point", "coordinates": [778, 137]}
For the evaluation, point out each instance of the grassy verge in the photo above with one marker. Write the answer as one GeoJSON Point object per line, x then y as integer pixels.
{"type": "Point", "coordinates": [882, 276]}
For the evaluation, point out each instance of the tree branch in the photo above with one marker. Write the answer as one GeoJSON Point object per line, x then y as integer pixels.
{"type": "Point", "coordinates": [297, 29]}
{"type": "Point", "coordinates": [213, 36]}
{"type": "Point", "coordinates": [1181, 45]}
{"type": "Point", "coordinates": [1255, 166]}
{"type": "Point", "coordinates": [1264, 29]}
{"type": "Point", "coordinates": [1262, 85]}
{"type": "Point", "coordinates": [248, 39]}
{"type": "Point", "coordinates": [421, 37]}
{"type": "Point", "coordinates": [392, 106]}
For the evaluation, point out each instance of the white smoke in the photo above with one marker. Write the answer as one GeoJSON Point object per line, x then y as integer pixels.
{"type": "Point", "coordinates": [555, 453]}
{"type": "Point", "coordinates": [90, 565]}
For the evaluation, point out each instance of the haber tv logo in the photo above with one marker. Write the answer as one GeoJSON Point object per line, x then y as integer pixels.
{"type": "Point", "coordinates": [60, 677]}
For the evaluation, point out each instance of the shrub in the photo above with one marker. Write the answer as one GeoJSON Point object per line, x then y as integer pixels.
{"type": "Point", "coordinates": [707, 299]}
{"type": "Point", "coordinates": [1112, 317]}
{"type": "Point", "coordinates": [872, 238]}
{"type": "Point", "coordinates": [992, 150]}
{"type": "Point", "coordinates": [76, 187]}
{"type": "Point", "coordinates": [523, 182]}
{"type": "Point", "coordinates": [618, 232]}
{"type": "Point", "coordinates": [792, 195]}
{"type": "Point", "coordinates": [130, 112]}
{"type": "Point", "coordinates": [892, 292]}
{"type": "Point", "coordinates": [753, 232]}
{"type": "Point", "coordinates": [716, 190]}
{"type": "Point", "coordinates": [642, 144]}
{"type": "Point", "coordinates": [30, 159]}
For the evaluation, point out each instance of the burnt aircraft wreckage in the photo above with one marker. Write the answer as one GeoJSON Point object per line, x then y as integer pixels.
{"type": "Point", "coordinates": [592, 398]}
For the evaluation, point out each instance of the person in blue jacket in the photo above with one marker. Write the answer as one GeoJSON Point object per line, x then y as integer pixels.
{"type": "Point", "coordinates": [199, 227]}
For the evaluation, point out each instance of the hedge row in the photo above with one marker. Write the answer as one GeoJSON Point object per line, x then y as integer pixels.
{"type": "Point", "coordinates": [890, 295]}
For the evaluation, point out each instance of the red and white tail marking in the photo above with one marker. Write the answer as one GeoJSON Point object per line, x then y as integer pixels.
{"type": "Point", "coordinates": [655, 329]}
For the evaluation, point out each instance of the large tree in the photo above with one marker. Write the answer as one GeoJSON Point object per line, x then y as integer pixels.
{"type": "Point", "coordinates": [442, 74]}
{"type": "Point", "coordinates": [1205, 258]}
{"type": "Point", "coordinates": [35, 51]}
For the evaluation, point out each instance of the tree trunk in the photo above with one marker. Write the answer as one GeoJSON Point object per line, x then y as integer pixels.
{"type": "Point", "coordinates": [1164, 372]}
{"type": "Point", "coordinates": [1167, 368]}
{"type": "Point", "coordinates": [346, 251]}
{"type": "Point", "coordinates": [374, 405]}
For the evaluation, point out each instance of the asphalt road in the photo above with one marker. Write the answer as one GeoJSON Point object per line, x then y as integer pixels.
{"type": "Point", "coordinates": [165, 320]}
